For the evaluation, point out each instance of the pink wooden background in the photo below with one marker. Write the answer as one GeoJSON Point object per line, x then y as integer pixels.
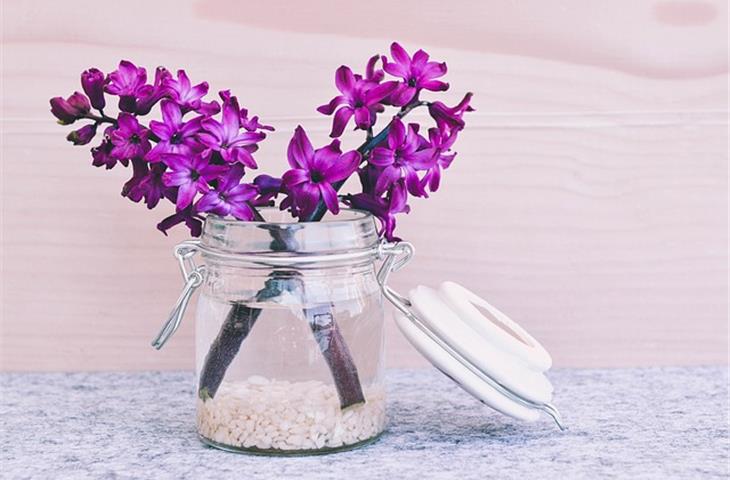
{"type": "Point", "coordinates": [588, 200]}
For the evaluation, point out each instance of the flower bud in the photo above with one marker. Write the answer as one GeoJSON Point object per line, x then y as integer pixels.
{"type": "Point", "coordinates": [80, 103]}
{"type": "Point", "coordinates": [92, 81]}
{"type": "Point", "coordinates": [64, 112]}
{"type": "Point", "coordinates": [267, 184]}
{"type": "Point", "coordinates": [69, 110]}
{"type": "Point", "coordinates": [450, 118]}
{"type": "Point", "coordinates": [83, 135]}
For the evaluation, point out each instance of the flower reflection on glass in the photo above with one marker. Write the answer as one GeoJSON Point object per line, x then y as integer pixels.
{"type": "Point", "coordinates": [196, 152]}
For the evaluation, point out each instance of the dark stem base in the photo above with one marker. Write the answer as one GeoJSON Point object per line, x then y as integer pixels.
{"type": "Point", "coordinates": [223, 350]}
{"type": "Point", "coordinates": [339, 360]}
{"type": "Point", "coordinates": [236, 327]}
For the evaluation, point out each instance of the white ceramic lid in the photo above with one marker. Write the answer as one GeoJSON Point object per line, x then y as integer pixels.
{"type": "Point", "coordinates": [479, 347]}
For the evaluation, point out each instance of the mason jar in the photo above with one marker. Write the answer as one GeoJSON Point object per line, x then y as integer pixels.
{"type": "Point", "coordinates": [289, 334]}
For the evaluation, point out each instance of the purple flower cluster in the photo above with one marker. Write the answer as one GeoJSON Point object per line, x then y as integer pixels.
{"type": "Point", "coordinates": [188, 156]}
{"type": "Point", "coordinates": [196, 153]}
{"type": "Point", "coordinates": [399, 161]}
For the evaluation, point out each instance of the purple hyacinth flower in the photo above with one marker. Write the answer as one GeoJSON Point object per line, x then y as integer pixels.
{"type": "Point", "coordinates": [186, 95]}
{"type": "Point", "coordinates": [450, 118]}
{"type": "Point", "coordinates": [126, 82]}
{"type": "Point", "coordinates": [175, 136]}
{"type": "Point", "coordinates": [140, 169]}
{"type": "Point", "coordinates": [360, 98]}
{"type": "Point", "coordinates": [102, 154]}
{"type": "Point", "coordinates": [193, 221]}
{"type": "Point", "coordinates": [417, 73]}
{"type": "Point", "coordinates": [383, 208]}
{"type": "Point", "coordinates": [146, 182]}
{"type": "Point", "coordinates": [149, 95]}
{"type": "Point", "coordinates": [92, 81]}
{"type": "Point", "coordinates": [126, 79]}
{"type": "Point", "coordinates": [269, 188]}
{"type": "Point", "coordinates": [67, 111]}
{"type": "Point", "coordinates": [83, 135]}
{"type": "Point", "coordinates": [191, 175]}
{"type": "Point", "coordinates": [130, 139]}
{"type": "Point", "coordinates": [154, 186]}
{"type": "Point", "coordinates": [231, 197]}
{"type": "Point", "coordinates": [226, 138]}
{"type": "Point", "coordinates": [442, 142]}
{"type": "Point", "coordinates": [208, 109]}
{"type": "Point", "coordinates": [313, 172]}
{"type": "Point", "coordinates": [404, 155]}
{"type": "Point", "coordinates": [373, 74]}
{"type": "Point", "coordinates": [251, 124]}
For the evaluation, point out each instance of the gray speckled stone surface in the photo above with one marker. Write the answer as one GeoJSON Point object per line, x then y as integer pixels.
{"type": "Point", "coordinates": [629, 423]}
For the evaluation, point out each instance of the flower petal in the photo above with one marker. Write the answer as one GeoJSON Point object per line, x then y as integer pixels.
{"type": "Point", "coordinates": [345, 80]}
{"type": "Point", "coordinates": [386, 179]}
{"type": "Point", "coordinates": [397, 134]}
{"type": "Point", "coordinates": [242, 211]}
{"type": "Point", "coordinates": [209, 202]}
{"type": "Point", "coordinates": [242, 192]}
{"type": "Point", "coordinates": [330, 107]}
{"type": "Point", "coordinates": [343, 167]}
{"type": "Point", "coordinates": [246, 138]}
{"type": "Point", "coordinates": [402, 95]}
{"type": "Point", "coordinates": [162, 130]}
{"type": "Point", "coordinates": [171, 113]}
{"type": "Point", "coordinates": [330, 197]}
{"type": "Point", "coordinates": [300, 150]}
{"type": "Point", "coordinates": [435, 85]}
{"type": "Point", "coordinates": [242, 156]}
{"type": "Point", "coordinates": [433, 178]}
{"type": "Point", "coordinates": [433, 70]}
{"type": "Point", "coordinates": [342, 116]}
{"type": "Point", "coordinates": [185, 195]}
{"type": "Point", "coordinates": [419, 59]}
{"type": "Point", "coordinates": [362, 117]}
{"type": "Point", "coordinates": [295, 177]}
{"type": "Point", "coordinates": [232, 178]}
{"type": "Point", "coordinates": [231, 119]}
{"type": "Point", "coordinates": [370, 72]}
{"type": "Point", "coordinates": [382, 157]}
{"type": "Point", "coordinates": [413, 183]}
{"type": "Point", "coordinates": [395, 69]}
{"type": "Point", "coordinates": [399, 54]}
{"type": "Point", "coordinates": [191, 127]}
{"type": "Point", "coordinates": [422, 159]}
{"type": "Point", "coordinates": [326, 156]}
{"type": "Point", "coordinates": [376, 94]}
{"type": "Point", "coordinates": [213, 134]}
{"type": "Point", "coordinates": [307, 198]}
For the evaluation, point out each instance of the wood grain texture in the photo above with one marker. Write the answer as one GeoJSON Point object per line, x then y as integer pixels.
{"type": "Point", "coordinates": [588, 199]}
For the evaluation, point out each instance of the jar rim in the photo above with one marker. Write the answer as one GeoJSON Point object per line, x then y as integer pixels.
{"type": "Point", "coordinates": [357, 215]}
{"type": "Point", "coordinates": [352, 234]}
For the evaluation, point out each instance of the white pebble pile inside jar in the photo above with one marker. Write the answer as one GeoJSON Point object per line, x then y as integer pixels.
{"type": "Point", "coordinates": [277, 415]}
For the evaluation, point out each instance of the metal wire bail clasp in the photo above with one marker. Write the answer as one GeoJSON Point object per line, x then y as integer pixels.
{"type": "Point", "coordinates": [397, 255]}
{"type": "Point", "coordinates": [193, 277]}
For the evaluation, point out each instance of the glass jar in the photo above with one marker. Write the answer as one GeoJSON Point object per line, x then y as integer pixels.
{"type": "Point", "coordinates": [289, 334]}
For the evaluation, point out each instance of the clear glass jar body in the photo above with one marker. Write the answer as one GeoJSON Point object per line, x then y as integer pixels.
{"type": "Point", "coordinates": [289, 336]}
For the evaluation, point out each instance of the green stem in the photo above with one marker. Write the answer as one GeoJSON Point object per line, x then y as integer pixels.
{"type": "Point", "coordinates": [101, 118]}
